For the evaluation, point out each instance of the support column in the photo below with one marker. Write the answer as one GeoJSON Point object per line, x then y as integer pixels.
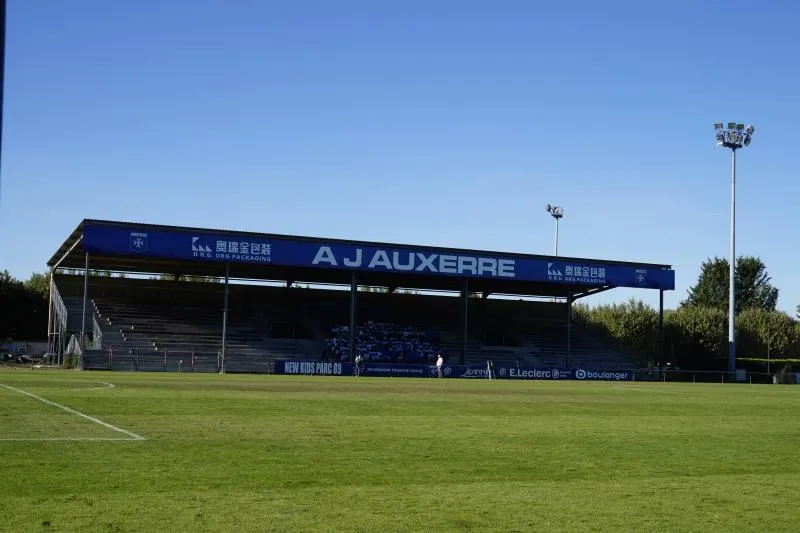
{"type": "Point", "coordinates": [465, 318]}
{"type": "Point", "coordinates": [569, 327]}
{"type": "Point", "coordinates": [225, 317]}
{"type": "Point", "coordinates": [661, 326]}
{"type": "Point", "coordinates": [85, 298]}
{"type": "Point", "coordinates": [50, 314]}
{"type": "Point", "coordinates": [732, 275]}
{"type": "Point", "coordinates": [353, 302]}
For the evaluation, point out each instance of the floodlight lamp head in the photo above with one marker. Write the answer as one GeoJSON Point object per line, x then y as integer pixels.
{"type": "Point", "coordinates": [750, 129]}
{"type": "Point", "coordinates": [555, 211]}
{"type": "Point", "coordinates": [731, 126]}
{"type": "Point", "coordinates": [740, 127]}
{"type": "Point", "coordinates": [717, 126]}
{"type": "Point", "coordinates": [747, 140]}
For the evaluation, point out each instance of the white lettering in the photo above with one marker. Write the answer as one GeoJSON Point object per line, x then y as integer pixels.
{"type": "Point", "coordinates": [400, 266]}
{"type": "Point", "coordinates": [448, 264]}
{"type": "Point", "coordinates": [531, 374]}
{"type": "Point", "coordinates": [324, 255]}
{"type": "Point", "coordinates": [506, 268]}
{"type": "Point", "coordinates": [380, 258]}
{"type": "Point", "coordinates": [353, 262]}
{"type": "Point", "coordinates": [426, 262]}
{"type": "Point", "coordinates": [466, 264]}
{"type": "Point", "coordinates": [487, 265]}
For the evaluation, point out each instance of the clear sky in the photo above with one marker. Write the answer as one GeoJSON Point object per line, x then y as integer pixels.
{"type": "Point", "coordinates": [447, 122]}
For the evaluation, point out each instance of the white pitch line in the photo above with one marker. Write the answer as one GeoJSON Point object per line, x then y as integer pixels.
{"type": "Point", "coordinates": [107, 386]}
{"type": "Point", "coordinates": [74, 412]}
{"type": "Point", "coordinates": [641, 389]}
{"type": "Point", "coordinates": [48, 439]}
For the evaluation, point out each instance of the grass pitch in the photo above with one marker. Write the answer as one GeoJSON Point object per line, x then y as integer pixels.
{"type": "Point", "coordinates": [268, 453]}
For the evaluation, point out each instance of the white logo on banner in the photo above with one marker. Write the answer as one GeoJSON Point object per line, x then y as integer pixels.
{"type": "Point", "coordinates": [576, 273]}
{"type": "Point", "coordinates": [200, 247]}
{"type": "Point", "coordinates": [138, 242]}
{"type": "Point", "coordinates": [230, 250]}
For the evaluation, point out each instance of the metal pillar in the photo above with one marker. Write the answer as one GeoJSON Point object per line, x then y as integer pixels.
{"type": "Point", "coordinates": [353, 302]}
{"type": "Point", "coordinates": [661, 326]}
{"type": "Point", "coordinates": [556, 237]}
{"type": "Point", "coordinates": [85, 298]}
{"type": "Point", "coordinates": [732, 273]}
{"type": "Point", "coordinates": [569, 327]}
{"type": "Point", "coordinates": [465, 332]}
{"type": "Point", "coordinates": [50, 314]}
{"type": "Point", "coordinates": [224, 318]}
{"type": "Point", "coordinates": [2, 63]}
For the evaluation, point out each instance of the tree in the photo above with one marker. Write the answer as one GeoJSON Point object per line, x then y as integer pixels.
{"type": "Point", "coordinates": [39, 284]}
{"type": "Point", "coordinates": [373, 288]}
{"type": "Point", "coordinates": [697, 336]}
{"type": "Point", "coordinates": [188, 277]}
{"type": "Point", "coordinates": [760, 332]}
{"type": "Point", "coordinates": [753, 287]}
{"type": "Point", "coordinates": [23, 311]}
{"type": "Point", "coordinates": [92, 272]}
{"type": "Point", "coordinates": [797, 315]}
{"type": "Point", "coordinates": [633, 324]}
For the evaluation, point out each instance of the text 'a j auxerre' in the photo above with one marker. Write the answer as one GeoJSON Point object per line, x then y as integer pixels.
{"type": "Point", "coordinates": [418, 262]}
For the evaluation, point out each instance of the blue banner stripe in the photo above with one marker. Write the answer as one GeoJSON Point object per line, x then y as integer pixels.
{"type": "Point", "coordinates": [323, 368]}
{"type": "Point", "coordinates": [246, 249]}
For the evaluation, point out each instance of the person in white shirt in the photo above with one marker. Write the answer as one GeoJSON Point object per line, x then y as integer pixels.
{"type": "Point", "coordinates": [439, 365]}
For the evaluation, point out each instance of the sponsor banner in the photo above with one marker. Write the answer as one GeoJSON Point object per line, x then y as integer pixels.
{"type": "Point", "coordinates": [390, 370]}
{"type": "Point", "coordinates": [533, 373]}
{"type": "Point", "coordinates": [313, 368]}
{"type": "Point", "coordinates": [302, 252]}
{"type": "Point", "coordinates": [323, 368]}
{"type": "Point", "coordinates": [609, 375]}
{"type": "Point", "coordinates": [460, 371]}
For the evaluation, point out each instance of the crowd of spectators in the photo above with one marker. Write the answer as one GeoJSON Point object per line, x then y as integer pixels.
{"type": "Point", "coordinates": [383, 343]}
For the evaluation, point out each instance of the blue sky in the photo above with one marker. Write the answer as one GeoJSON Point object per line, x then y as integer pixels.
{"type": "Point", "coordinates": [445, 122]}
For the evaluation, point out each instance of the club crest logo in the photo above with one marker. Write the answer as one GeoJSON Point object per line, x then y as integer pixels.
{"type": "Point", "coordinates": [138, 242]}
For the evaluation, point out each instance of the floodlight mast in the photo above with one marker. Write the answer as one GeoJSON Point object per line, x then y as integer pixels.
{"type": "Point", "coordinates": [557, 212]}
{"type": "Point", "coordinates": [735, 137]}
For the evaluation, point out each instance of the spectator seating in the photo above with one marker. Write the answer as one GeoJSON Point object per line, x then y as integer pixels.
{"type": "Point", "coordinates": [382, 342]}
{"type": "Point", "coordinates": [163, 325]}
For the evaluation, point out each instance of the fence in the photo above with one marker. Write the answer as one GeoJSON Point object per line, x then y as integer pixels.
{"type": "Point", "coordinates": [175, 361]}
{"type": "Point", "coordinates": [323, 368]}
{"type": "Point", "coordinates": [58, 326]}
{"type": "Point", "coordinates": [194, 361]}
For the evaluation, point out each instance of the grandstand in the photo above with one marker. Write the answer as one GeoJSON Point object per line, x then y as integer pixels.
{"type": "Point", "coordinates": [290, 306]}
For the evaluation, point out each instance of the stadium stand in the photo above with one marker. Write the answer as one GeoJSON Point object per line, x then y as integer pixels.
{"type": "Point", "coordinates": [470, 312]}
{"type": "Point", "coordinates": [156, 325]}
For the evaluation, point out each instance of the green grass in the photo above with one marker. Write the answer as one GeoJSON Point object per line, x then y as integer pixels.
{"type": "Point", "coordinates": [268, 453]}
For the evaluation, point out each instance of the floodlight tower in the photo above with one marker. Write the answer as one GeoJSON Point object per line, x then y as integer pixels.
{"type": "Point", "coordinates": [735, 137]}
{"type": "Point", "coordinates": [557, 213]}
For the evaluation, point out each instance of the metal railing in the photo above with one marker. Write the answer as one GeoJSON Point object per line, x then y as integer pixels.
{"type": "Point", "coordinates": [97, 335]}
{"type": "Point", "coordinates": [55, 338]}
{"type": "Point", "coordinates": [710, 376]}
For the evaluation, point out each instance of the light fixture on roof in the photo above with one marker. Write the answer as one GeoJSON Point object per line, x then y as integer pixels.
{"type": "Point", "coordinates": [557, 212]}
